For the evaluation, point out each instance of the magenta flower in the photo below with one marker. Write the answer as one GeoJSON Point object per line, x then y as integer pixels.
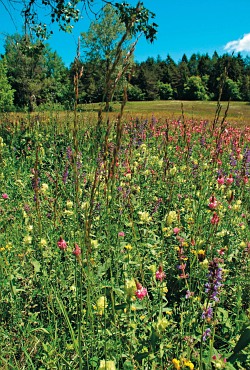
{"type": "Point", "coordinates": [121, 234]}
{"type": "Point", "coordinates": [77, 251]}
{"type": "Point", "coordinates": [160, 274]}
{"type": "Point", "coordinates": [62, 244]}
{"type": "Point", "coordinates": [5, 196]}
{"type": "Point", "coordinates": [215, 219]}
{"type": "Point", "coordinates": [212, 202]}
{"type": "Point", "coordinates": [141, 292]}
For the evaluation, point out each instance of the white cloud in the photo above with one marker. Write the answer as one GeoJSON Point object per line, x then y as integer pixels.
{"type": "Point", "coordinates": [239, 45]}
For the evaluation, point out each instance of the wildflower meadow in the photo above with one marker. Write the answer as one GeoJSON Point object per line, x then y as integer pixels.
{"type": "Point", "coordinates": [124, 243]}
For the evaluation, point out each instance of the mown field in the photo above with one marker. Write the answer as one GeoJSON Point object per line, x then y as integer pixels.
{"type": "Point", "coordinates": [126, 244]}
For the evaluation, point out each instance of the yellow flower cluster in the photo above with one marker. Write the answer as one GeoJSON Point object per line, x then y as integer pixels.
{"type": "Point", "coordinates": [7, 247]}
{"type": "Point", "coordinates": [130, 288]}
{"type": "Point", "coordinates": [101, 305]}
{"type": "Point", "coordinates": [144, 217]}
{"type": "Point", "coordinates": [107, 365]}
{"type": "Point", "coordinates": [182, 364]}
{"type": "Point", "coordinates": [171, 217]}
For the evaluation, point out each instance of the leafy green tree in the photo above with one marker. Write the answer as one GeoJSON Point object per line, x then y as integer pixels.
{"type": "Point", "coordinates": [35, 73]}
{"type": "Point", "coordinates": [194, 89]}
{"type": "Point", "coordinates": [135, 93]}
{"type": "Point", "coordinates": [6, 92]}
{"type": "Point", "coordinates": [245, 88]}
{"type": "Point", "coordinates": [166, 91]}
{"type": "Point", "coordinates": [100, 45]}
{"type": "Point", "coordinates": [231, 90]}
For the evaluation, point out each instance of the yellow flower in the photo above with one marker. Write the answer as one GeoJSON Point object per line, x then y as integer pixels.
{"type": "Point", "coordinates": [27, 239]}
{"type": "Point", "coordinates": [144, 217]}
{"type": "Point", "coordinates": [69, 204]}
{"type": "Point", "coordinates": [44, 188]}
{"type": "Point", "coordinates": [107, 365]}
{"type": "Point", "coordinates": [94, 243]}
{"type": "Point", "coordinates": [101, 304]}
{"type": "Point", "coordinates": [171, 217]}
{"type": "Point", "coordinates": [189, 364]}
{"type": "Point", "coordinates": [29, 228]}
{"type": "Point", "coordinates": [43, 242]}
{"type": "Point", "coordinates": [176, 364]}
{"type": "Point", "coordinates": [161, 325]}
{"type": "Point", "coordinates": [243, 244]}
{"type": "Point", "coordinates": [130, 288]}
{"type": "Point", "coordinates": [67, 212]}
{"type": "Point", "coordinates": [128, 247]}
{"type": "Point", "coordinates": [173, 170]}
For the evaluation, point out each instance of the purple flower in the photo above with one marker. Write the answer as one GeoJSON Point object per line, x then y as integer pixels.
{"type": "Point", "coordinates": [206, 334]}
{"type": "Point", "coordinates": [214, 280]}
{"type": "Point", "coordinates": [207, 313]}
{"type": "Point", "coordinates": [69, 153]}
{"type": "Point", "coordinates": [189, 294]}
{"type": "Point", "coordinates": [65, 175]}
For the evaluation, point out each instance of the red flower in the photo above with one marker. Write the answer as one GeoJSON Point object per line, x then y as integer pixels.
{"type": "Point", "coordinates": [62, 244]}
{"type": "Point", "coordinates": [77, 251]}
{"type": "Point", "coordinates": [215, 219]}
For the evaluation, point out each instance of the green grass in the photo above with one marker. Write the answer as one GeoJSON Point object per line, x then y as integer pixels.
{"type": "Point", "coordinates": [238, 114]}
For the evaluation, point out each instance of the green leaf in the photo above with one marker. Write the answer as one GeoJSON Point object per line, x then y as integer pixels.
{"type": "Point", "coordinates": [36, 265]}
{"type": "Point", "coordinates": [240, 345]}
{"type": "Point", "coordinates": [141, 356]}
{"type": "Point", "coordinates": [120, 306]}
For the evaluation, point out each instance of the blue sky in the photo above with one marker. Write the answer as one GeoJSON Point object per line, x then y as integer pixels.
{"type": "Point", "coordinates": [184, 27]}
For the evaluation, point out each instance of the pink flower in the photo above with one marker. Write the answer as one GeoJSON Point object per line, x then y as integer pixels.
{"type": "Point", "coordinates": [160, 274]}
{"type": "Point", "coordinates": [5, 196]}
{"type": "Point", "coordinates": [141, 292]}
{"type": "Point", "coordinates": [213, 202]}
{"type": "Point", "coordinates": [121, 234]}
{"type": "Point", "coordinates": [62, 244]}
{"type": "Point", "coordinates": [220, 180]}
{"type": "Point", "coordinates": [176, 230]}
{"type": "Point", "coordinates": [230, 179]}
{"type": "Point", "coordinates": [215, 219]}
{"type": "Point", "coordinates": [77, 251]}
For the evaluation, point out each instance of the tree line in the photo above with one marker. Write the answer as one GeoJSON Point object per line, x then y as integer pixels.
{"type": "Point", "coordinates": [33, 76]}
